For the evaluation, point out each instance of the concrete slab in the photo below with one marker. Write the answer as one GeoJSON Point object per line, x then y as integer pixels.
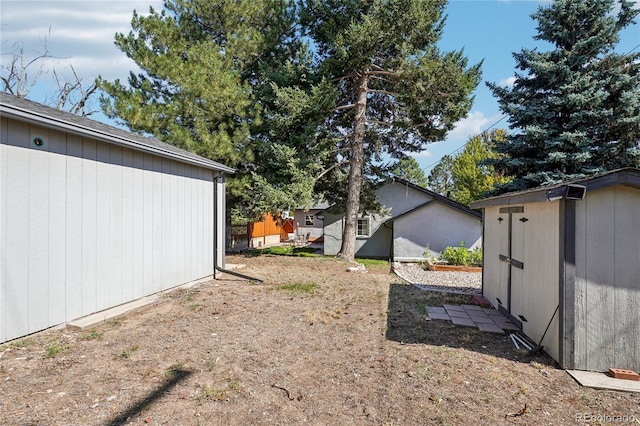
{"type": "Point", "coordinates": [507, 325]}
{"type": "Point", "coordinates": [471, 307]}
{"type": "Point", "coordinates": [481, 320]}
{"type": "Point", "coordinates": [463, 321]}
{"type": "Point", "coordinates": [454, 308]}
{"type": "Point", "coordinates": [603, 381]}
{"type": "Point", "coordinates": [490, 328]}
{"type": "Point", "coordinates": [492, 312]}
{"type": "Point", "coordinates": [438, 316]}
{"type": "Point", "coordinates": [436, 309]}
{"type": "Point", "coordinates": [458, 314]}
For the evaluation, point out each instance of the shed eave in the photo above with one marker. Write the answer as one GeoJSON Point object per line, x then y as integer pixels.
{"type": "Point", "coordinates": [20, 114]}
{"type": "Point", "coordinates": [628, 176]}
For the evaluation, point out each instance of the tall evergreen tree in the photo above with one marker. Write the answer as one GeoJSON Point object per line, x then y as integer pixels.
{"type": "Point", "coordinates": [396, 90]}
{"type": "Point", "coordinates": [408, 168]}
{"type": "Point", "coordinates": [574, 110]}
{"type": "Point", "coordinates": [217, 80]}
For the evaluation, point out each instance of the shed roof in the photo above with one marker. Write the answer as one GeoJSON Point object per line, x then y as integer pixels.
{"type": "Point", "coordinates": [436, 197]}
{"type": "Point", "coordinates": [628, 176]}
{"type": "Point", "coordinates": [26, 110]}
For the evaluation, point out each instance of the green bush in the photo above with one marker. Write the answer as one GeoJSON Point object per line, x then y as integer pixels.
{"type": "Point", "coordinates": [462, 256]}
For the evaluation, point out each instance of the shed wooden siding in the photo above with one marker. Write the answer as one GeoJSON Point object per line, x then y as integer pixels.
{"type": "Point", "coordinates": [535, 288]}
{"type": "Point", "coordinates": [607, 284]}
{"type": "Point", "coordinates": [86, 225]}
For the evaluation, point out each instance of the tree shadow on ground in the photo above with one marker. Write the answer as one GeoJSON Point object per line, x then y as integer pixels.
{"type": "Point", "coordinates": [408, 323]}
{"type": "Point", "coordinates": [176, 377]}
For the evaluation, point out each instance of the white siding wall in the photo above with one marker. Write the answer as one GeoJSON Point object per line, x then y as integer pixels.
{"type": "Point", "coordinates": [438, 226]}
{"type": "Point", "coordinates": [85, 226]}
{"type": "Point", "coordinates": [607, 305]}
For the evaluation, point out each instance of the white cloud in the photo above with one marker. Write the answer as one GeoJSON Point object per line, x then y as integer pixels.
{"type": "Point", "coordinates": [508, 82]}
{"type": "Point", "coordinates": [422, 154]}
{"type": "Point", "coordinates": [78, 33]}
{"type": "Point", "coordinates": [474, 123]}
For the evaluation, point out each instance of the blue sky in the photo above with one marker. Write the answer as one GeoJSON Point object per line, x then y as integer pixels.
{"type": "Point", "coordinates": [81, 33]}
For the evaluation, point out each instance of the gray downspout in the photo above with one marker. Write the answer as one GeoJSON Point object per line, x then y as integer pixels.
{"type": "Point", "coordinates": [216, 247]}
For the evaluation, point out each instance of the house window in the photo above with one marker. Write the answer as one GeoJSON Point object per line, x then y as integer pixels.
{"type": "Point", "coordinates": [308, 220]}
{"type": "Point", "coordinates": [363, 227]}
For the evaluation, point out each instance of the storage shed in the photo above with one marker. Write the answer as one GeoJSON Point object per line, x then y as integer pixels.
{"type": "Point", "coordinates": [567, 257]}
{"type": "Point", "coordinates": [92, 216]}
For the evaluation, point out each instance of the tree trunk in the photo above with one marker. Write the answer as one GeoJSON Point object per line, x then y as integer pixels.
{"type": "Point", "coordinates": [348, 249]}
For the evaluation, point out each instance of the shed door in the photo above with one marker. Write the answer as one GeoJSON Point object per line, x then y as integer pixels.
{"type": "Point", "coordinates": [511, 255]}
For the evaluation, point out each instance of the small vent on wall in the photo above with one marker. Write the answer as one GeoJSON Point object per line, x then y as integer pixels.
{"type": "Point", "coordinates": [523, 219]}
{"type": "Point", "coordinates": [500, 219]}
{"type": "Point", "coordinates": [522, 318]}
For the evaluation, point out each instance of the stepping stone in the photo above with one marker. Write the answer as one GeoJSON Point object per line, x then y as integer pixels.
{"type": "Point", "coordinates": [434, 309]}
{"type": "Point", "coordinates": [493, 312]}
{"type": "Point", "coordinates": [463, 321]}
{"type": "Point", "coordinates": [472, 308]}
{"type": "Point", "coordinates": [490, 328]}
{"type": "Point", "coordinates": [458, 314]}
{"type": "Point", "coordinates": [438, 316]}
{"type": "Point", "coordinates": [480, 320]}
{"type": "Point", "coordinates": [454, 308]}
{"type": "Point", "coordinates": [508, 326]}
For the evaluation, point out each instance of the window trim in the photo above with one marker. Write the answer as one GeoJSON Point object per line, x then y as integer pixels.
{"type": "Point", "coordinates": [367, 220]}
{"type": "Point", "coordinates": [306, 220]}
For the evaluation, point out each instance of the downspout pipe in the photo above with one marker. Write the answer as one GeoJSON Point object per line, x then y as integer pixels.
{"type": "Point", "coordinates": [216, 247]}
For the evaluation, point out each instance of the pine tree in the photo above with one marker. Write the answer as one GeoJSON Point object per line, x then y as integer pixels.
{"type": "Point", "coordinates": [408, 168]}
{"type": "Point", "coordinates": [227, 79]}
{"type": "Point", "coordinates": [396, 90]}
{"type": "Point", "coordinates": [573, 110]}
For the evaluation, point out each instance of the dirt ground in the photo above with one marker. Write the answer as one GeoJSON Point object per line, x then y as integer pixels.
{"type": "Point", "coordinates": [312, 344]}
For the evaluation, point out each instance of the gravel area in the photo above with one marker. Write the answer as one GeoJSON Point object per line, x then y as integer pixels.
{"type": "Point", "coordinates": [452, 282]}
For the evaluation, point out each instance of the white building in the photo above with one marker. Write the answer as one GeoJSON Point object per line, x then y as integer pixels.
{"type": "Point", "coordinates": [92, 217]}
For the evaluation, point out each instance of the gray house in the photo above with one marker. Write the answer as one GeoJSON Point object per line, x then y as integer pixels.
{"type": "Point", "coordinates": [567, 257]}
{"type": "Point", "coordinates": [415, 219]}
{"type": "Point", "coordinates": [92, 217]}
{"type": "Point", "coordinates": [310, 220]}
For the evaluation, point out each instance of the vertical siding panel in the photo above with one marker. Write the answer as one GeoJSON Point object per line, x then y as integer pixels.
{"type": "Point", "coordinates": [57, 227]}
{"type": "Point", "coordinates": [580, 330]}
{"type": "Point", "coordinates": [201, 219]}
{"type": "Point", "coordinates": [17, 217]}
{"type": "Point", "coordinates": [156, 235]}
{"type": "Point", "coordinates": [103, 190]}
{"type": "Point", "coordinates": [138, 224]}
{"type": "Point", "coordinates": [194, 221]}
{"type": "Point", "coordinates": [210, 225]}
{"type": "Point", "coordinates": [165, 224]}
{"type": "Point", "coordinates": [127, 232]}
{"type": "Point", "coordinates": [181, 273]}
{"type": "Point", "coordinates": [73, 228]}
{"type": "Point", "coordinates": [188, 237]}
{"type": "Point", "coordinates": [626, 316]}
{"type": "Point", "coordinates": [600, 278]}
{"type": "Point", "coordinates": [90, 226]}
{"type": "Point", "coordinates": [172, 278]}
{"type": "Point", "coordinates": [4, 124]}
{"type": "Point", "coordinates": [147, 209]}
{"type": "Point", "coordinates": [38, 231]}
{"type": "Point", "coordinates": [115, 226]}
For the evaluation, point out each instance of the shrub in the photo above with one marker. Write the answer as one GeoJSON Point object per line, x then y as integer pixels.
{"type": "Point", "coordinates": [462, 256]}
